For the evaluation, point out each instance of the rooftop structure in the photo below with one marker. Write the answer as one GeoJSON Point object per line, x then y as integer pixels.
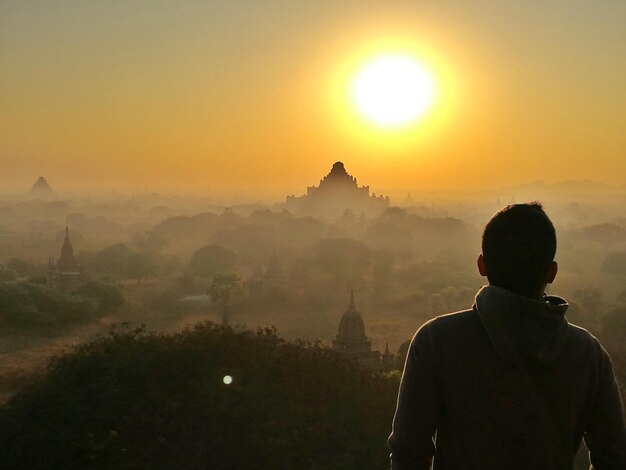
{"type": "Point", "coordinates": [352, 342]}
{"type": "Point", "coordinates": [337, 192]}
{"type": "Point", "coordinates": [66, 274]}
{"type": "Point", "coordinates": [41, 188]}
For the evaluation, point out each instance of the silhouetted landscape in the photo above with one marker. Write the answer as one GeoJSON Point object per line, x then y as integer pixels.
{"type": "Point", "coordinates": [144, 303]}
{"type": "Point", "coordinates": [222, 223]}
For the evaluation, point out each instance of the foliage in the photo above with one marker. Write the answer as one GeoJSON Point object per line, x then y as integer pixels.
{"type": "Point", "coordinates": [120, 261]}
{"type": "Point", "coordinates": [346, 258]}
{"type": "Point", "coordinates": [7, 274]}
{"type": "Point", "coordinates": [605, 234]}
{"type": "Point", "coordinates": [136, 400]}
{"type": "Point", "coordinates": [224, 287]}
{"type": "Point", "coordinates": [589, 297]}
{"type": "Point", "coordinates": [615, 265]}
{"type": "Point", "coordinates": [111, 259]}
{"type": "Point", "coordinates": [185, 282]}
{"type": "Point", "coordinates": [614, 324]}
{"type": "Point", "coordinates": [140, 265]}
{"type": "Point", "coordinates": [31, 306]}
{"type": "Point", "coordinates": [108, 296]}
{"type": "Point", "coordinates": [211, 260]}
{"type": "Point", "coordinates": [40, 279]}
{"type": "Point", "coordinates": [22, 267]}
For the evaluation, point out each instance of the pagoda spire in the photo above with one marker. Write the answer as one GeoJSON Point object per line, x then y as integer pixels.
{"type": "Point", "coordinates": [67, 262]}
{"type": "Point", "coordinates": [351, 307]}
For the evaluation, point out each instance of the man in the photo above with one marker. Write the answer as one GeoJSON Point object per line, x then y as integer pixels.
{"type": "Point", "coordinates": [508, 384]}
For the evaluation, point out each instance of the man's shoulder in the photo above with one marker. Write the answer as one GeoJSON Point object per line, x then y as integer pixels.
{"type": "Point", "coordinates": [450, 334]}
{"type": "Point", "coordinates": [455, 322]}
{"type": "Point", "coordinates": [580, 337]}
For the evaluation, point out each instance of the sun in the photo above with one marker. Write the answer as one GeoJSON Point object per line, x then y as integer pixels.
{"type": "Point", "coordinates": [393, 90]}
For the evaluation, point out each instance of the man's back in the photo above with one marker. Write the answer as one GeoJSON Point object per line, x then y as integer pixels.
{"type": "Point", "coordinates": [509, 384]}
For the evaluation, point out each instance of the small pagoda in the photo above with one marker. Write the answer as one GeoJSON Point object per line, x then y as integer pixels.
{"type": "Point", "coordinates": [353, 344]}
{"type": "Point", "coordinates": [66, 274]}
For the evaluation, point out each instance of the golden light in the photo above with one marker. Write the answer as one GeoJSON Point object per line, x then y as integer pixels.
{"type": "Point", "coordinates": [393, 90]}
{"type": "Point", "coordinates": [390, 96]}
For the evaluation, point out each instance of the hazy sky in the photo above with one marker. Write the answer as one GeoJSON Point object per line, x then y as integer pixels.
{"type": "Point", "coordinates": [208, 95]}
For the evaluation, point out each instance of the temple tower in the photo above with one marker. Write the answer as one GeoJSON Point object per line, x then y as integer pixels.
{"type": "Point", "coordinates": [352, 342]}
{"type": "Point", "coordinates": [387, 359]}
{"type": "Point", "coordinates": [66, 275]}
{"type": "Point", "coordinates": [337, 192]}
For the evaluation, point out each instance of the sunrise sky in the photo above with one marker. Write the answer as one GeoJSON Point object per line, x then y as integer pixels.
{"type": "Point", "coordinates": [253, 95]}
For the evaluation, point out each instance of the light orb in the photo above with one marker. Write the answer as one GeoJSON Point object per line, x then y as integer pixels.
{"type": "Point", "coordinates": [393, 90]}
{"type": "Point", "coordinates": [227, 380]}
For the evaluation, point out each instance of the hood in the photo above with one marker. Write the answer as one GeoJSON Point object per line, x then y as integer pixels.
{"type": "Point", "coordinates": [521, 328]}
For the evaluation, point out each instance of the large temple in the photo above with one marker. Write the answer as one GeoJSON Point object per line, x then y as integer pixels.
{"type": "Point", "coordinates": [337, 192]}
{"type": "Point", "coordinates": [66, 274]}
{"type": "Point", "coordinates": [353, 344]}
{"type": "Point", "coordinates": [41, 189]}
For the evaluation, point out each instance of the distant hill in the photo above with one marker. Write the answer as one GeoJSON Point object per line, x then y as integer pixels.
{"type": "Point", "coordinates": [41, 188]}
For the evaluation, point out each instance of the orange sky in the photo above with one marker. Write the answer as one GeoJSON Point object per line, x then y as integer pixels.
{"type": "Point", "coordinates": [246, 95]}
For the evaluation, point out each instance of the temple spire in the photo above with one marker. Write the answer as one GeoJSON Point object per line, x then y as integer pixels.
{"type": "Point", "coordinates": [351, 307]}
{"type": "Point", "coordinates": [67, 262]}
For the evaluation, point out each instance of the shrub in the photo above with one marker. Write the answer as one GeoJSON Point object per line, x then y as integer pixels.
{"type": "Point", "coordinates": [136, 400]}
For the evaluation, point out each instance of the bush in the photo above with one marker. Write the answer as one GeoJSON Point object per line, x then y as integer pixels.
{"type": "Point", "coordinates": [32, 306]}
{"type": "Point", "coordinates": [108, 296]}
{"type": "Point", "coordinates": [210, 260]}
{"type": "Point", "coordinates": [7, 274]}
{"type": "Point", "coordinates": [136, 400]}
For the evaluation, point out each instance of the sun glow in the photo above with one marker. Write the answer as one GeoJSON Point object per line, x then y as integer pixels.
{"type": "Point", "coordinates": [390, 97]}
{"type": "Point", "coordinates": [393, 90]}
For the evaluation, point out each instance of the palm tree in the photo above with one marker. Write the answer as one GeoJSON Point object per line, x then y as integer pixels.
{"type": "Point", "coordinates": [222, 289]}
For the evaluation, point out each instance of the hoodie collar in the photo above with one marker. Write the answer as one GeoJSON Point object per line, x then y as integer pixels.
{"type": "Point", "coordinates": [520, 327]}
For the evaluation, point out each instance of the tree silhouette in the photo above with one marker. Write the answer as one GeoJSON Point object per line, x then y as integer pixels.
{"type": "Point", "coordinates": [153, 401]}
{"type": "Point", "coordinates": [615, 265]}
{"type": "Point", "coordinates": [614, 327]}
{"type": "Point", "coordinates": [346, 258]}
{"type": "Point", "coordinates": [223, 289]}
{"type": "Point", "coordinates": [211, 260]}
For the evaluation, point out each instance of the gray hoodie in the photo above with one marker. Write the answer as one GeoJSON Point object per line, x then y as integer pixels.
{"type": "Point", "coordinates": [508, 384]}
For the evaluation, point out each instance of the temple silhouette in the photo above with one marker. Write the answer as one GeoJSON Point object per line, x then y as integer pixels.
{"type": "Point", "coordinates": [337, 192]}
{"type": "Point", "coordinates": [66, 274]}
{"type": "Point", "coordinates": [353, 344]}
{"type": "Point", "coordinates": [41, 189]}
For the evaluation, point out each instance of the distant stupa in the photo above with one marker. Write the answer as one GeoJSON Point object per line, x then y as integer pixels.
{"type": "Point", "coordinates": [41, 188]}
{"type": "Point", "coordinates": [337, 192]}
{"type": "Point", "coordinates": [352, 343]}
{"type": "Point", "coordinates": [66, 274]}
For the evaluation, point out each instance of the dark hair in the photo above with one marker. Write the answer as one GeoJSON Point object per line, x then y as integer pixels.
{"type": "Point", "coordinates": [519, 244]}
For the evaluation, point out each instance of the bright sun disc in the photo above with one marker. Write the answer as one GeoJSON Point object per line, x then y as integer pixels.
{"type": "Point", "coordinates": [393, 90]}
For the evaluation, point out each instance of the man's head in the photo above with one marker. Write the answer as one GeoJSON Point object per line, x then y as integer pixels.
{"type": "Point", "coordinates": [519, 244]}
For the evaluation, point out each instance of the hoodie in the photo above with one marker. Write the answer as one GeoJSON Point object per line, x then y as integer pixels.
{"type": "Point", "coordinates": [507, 384]}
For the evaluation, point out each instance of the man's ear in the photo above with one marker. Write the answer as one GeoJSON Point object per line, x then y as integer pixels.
{"type": "Point", "coordinates": [480, 262]}
{"type": "Point", "coordinates": [554, 268]}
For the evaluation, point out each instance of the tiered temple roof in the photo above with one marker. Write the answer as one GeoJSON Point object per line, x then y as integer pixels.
{"type": "Point", "coordinates": [337, 192]}
{"type": "Point", "coordinates": [352, 342]}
